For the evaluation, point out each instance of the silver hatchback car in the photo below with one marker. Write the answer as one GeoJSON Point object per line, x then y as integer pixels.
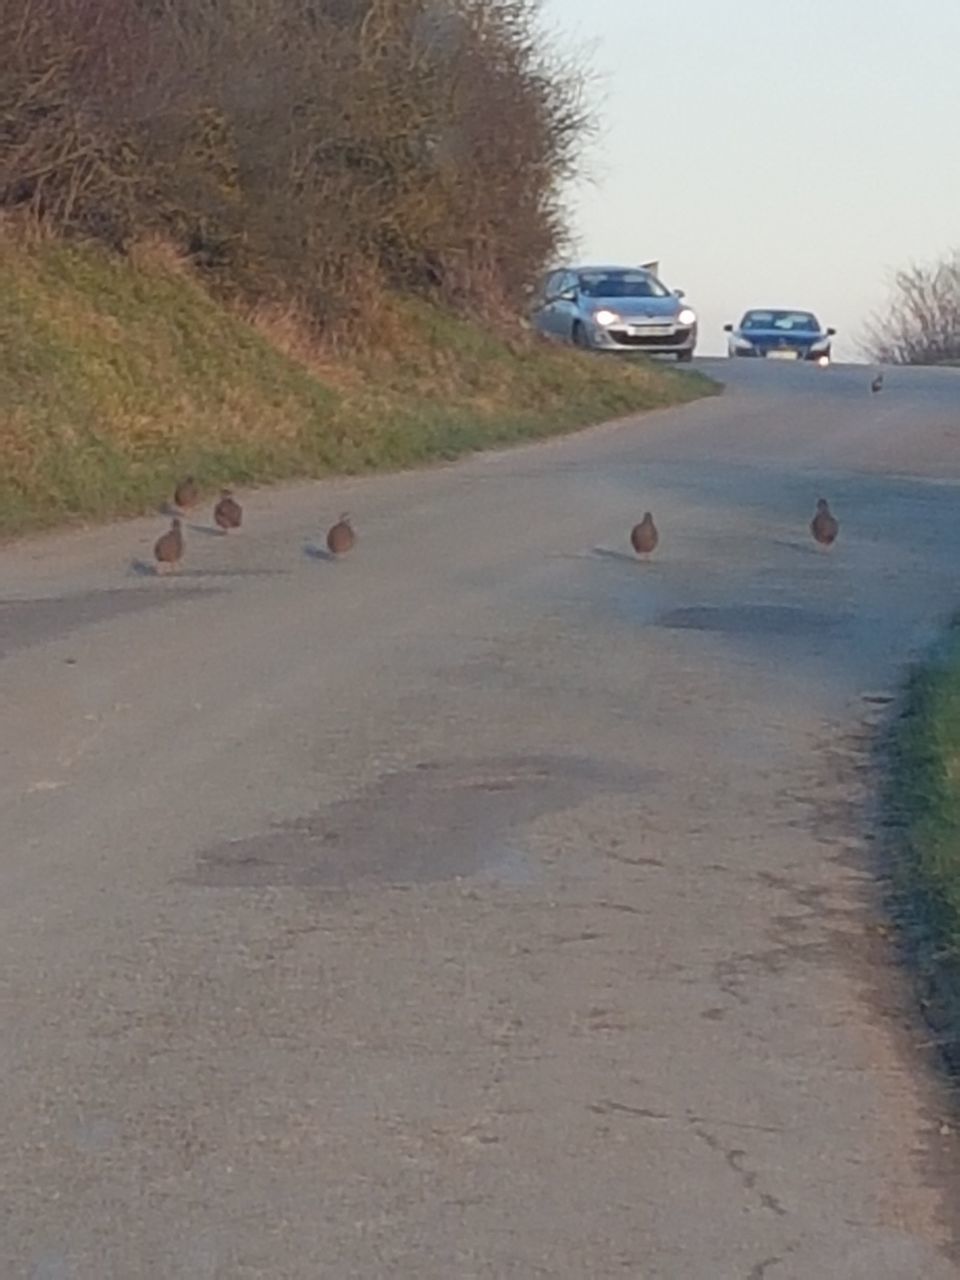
{"type": "Point", "coordinates": [615, 309]}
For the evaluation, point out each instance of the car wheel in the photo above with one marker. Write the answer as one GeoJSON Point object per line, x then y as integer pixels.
{"type": "Point", "coordinates": [684, 357]}
{"type": "Point", "coordinates": [580, 338]}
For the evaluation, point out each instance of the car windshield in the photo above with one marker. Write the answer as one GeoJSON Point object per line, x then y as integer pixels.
{"type": "Point", "coordinates": [782, 321]}
{"type": "Point", "coordinates": [621, 284]}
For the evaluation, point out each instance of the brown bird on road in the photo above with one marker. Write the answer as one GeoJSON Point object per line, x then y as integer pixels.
{"type": "Point", "coordinates": [877, 384]}
{"type": "Point", "coordinates": [824, 525]}
{"type": "Point", "coordinates": [168, 549]}
{"type": "Point", "coordinates": [186, 494]}
{"type": "Point", "coordinates": [341, 537]}
{"type": "Point", "coordinates": [227, 514]}
{"type": "Point", "coordinates": [644, 536]}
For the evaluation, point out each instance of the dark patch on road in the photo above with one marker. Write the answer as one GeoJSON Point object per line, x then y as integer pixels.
{"type": "Point", "coordinates": [736, 1158]}
{"type": "Point", "coordinates": [24, 623]}
{"type": "Point", "coordinates": [635, 862]}
{"type": "Point", "coordinates": [751, 620]}
{"type": "Point", "coordinates": [52, 1266]}
{"type": "Point", "coordinates": [732, 972]}
{"type": "Point", "coordinates": [759, 1272]}
{"type": "Point", "coordinates": [433, 822]}
{"type": "Point", "coordinates": [607, 1106]}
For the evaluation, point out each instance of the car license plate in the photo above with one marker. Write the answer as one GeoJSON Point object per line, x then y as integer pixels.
{"type": "Point", "coordinates": [650, 330]}
{"type": "Point", "coordinates": [781, 355]}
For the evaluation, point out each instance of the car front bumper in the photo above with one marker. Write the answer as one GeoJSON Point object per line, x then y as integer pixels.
{"type": "Point", "coordinates": [620, 338]}
{"type": "Point", "coordinates": [797, 354]}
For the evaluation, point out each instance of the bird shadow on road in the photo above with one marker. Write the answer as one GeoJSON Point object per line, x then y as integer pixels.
{"type": "Point", "coordinates": [143, 569]}
{"type": "Point", "coordinates": [208, 530]}
{"type": "Point", "coordinates": [802, 548]}
{"type": "Point", "coordinates": [313, 552]}
{"type": "Point", "coordinates": [608, 553]}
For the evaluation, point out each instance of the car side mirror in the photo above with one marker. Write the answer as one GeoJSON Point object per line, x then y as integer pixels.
{"type": "Point", "coordinates": [831, 332]}
{"type": "Point", "coordinates": [728, 328]}
{"type": "Point", "coordinates": [680, 293]}
{"type": "Point", "coordinates": [568, 295]}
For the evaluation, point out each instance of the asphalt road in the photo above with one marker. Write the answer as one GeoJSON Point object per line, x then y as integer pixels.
{"type": "Point", "coordinates": [485, 905]}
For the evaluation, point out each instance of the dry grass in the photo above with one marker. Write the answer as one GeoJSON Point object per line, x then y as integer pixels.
{"type": "Point", "coordinates": [289, 332]}
{"type": "Point", "coordinates": [155, 253]}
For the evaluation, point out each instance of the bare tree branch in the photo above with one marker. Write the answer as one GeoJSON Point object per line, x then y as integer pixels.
{"type": "Point", "coordinates": [921, 323]}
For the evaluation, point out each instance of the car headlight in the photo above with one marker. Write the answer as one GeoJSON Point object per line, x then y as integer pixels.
{"type": "Point", "coordinates": [743, 343]}
{"type": "Point", "coordinates": [821, 344]}
{"type": "Point", "coordinates": [605, 317]}
{"type": "Point", "coordinates": [687, 317]}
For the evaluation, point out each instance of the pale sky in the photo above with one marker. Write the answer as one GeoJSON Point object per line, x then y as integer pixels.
{"type": "Point", "coordinates": [775, 153]}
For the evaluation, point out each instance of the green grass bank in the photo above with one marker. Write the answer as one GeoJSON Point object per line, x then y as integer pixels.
{"type": "Point", "coordinates": [924, 806]}
{"type": "Point", "coordinates": [119, 374]}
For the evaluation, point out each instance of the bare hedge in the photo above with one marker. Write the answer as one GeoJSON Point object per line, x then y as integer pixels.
{"type": "Point", "coordinates": [313, 151]}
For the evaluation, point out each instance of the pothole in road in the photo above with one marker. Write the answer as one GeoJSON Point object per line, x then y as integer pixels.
{"type": "Point", "coordinates": [434, 822]}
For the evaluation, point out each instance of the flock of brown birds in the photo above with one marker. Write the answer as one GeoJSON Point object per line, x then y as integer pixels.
{"type": "Point", "coordinates": [227, 514]}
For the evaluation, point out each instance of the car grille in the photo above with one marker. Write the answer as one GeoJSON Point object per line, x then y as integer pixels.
{"type": "Point", "coordinates": [651, 340]}
{"type": "Point", "coordinates": [783, 344]}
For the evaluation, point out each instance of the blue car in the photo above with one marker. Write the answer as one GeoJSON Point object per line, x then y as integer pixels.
{"type": "Point", "coordinates": [780, 335]}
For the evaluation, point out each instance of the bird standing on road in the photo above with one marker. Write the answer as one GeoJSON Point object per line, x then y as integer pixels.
{"type": "Point", "coordinates": [824, 525]}
{"type": "Point", "coordinates": [186, 494]}
{"type": "Point", "coordinates": [877, 384]}
{"type": "Point", "coordinates": [227, 514]}
{"type": "Point", "coordinates": [168, 549]}
{"type": "Point", "coordinates": [644, 536]}
{"type": "Point", "coordinates": [341, 537]}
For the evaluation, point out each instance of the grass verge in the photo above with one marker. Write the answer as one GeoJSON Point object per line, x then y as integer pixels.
{"type": "Point", "coordinates": [119, 375]}
{"type": "Point", "coordinates": [924, 801]}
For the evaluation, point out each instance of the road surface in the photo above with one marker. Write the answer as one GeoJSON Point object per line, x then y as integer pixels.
{"type": "Point", "coordinates": [486, 905]}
